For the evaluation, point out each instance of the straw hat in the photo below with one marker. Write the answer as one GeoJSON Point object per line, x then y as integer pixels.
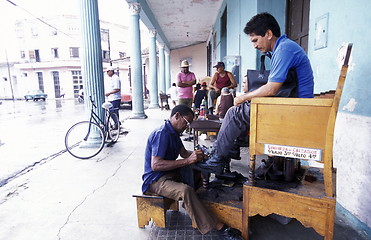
{"type": "Point", "coordinates": [184, 64]}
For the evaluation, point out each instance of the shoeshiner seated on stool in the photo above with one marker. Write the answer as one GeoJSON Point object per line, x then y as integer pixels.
{"type": "Point", "coordinates": [285, 54]}
{"type": "Point", "coordinates": [168, 176]}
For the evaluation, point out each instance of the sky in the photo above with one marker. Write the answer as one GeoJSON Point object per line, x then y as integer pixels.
{"type": "Point", "coordinates": [115, 11]}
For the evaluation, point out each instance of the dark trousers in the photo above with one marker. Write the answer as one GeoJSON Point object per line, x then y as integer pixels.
{"type": "Point", "coordinates": [115, 108]}
{"type": "Point", "coordinates": [236, 123]}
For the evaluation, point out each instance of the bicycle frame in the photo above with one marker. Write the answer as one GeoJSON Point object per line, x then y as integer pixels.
{"type": "Point", "coordinates": [94, 117]}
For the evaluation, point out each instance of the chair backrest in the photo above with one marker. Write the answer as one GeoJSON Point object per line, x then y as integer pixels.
{"type": "Point", "coordinates": [298, 127]}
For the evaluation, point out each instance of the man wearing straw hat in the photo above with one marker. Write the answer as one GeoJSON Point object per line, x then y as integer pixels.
{"type": "Point", "coordinates": [185, 81]}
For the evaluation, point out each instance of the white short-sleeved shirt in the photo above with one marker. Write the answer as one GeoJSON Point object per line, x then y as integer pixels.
{"type": "Point", "coordinates": [111, 84]}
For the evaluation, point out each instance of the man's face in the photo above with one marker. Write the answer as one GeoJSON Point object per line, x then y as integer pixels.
{"type": "Point", "coordinates": [260, 43]}
{"type": "Point", "coordinates": [180, 123]}
{"type": "Point", "coordinates": [220, 69]}
{"type": "Point", "coordinates": [185, 69]}
{"type": "Point", "coordinates": [110, 73]}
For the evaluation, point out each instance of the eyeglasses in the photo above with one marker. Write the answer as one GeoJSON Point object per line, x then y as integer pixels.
{"type": "Point", "coordinates": [188, 123]}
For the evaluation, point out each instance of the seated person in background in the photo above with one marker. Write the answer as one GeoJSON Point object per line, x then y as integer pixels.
{"type": "Point", "coordinates": [211, 99]}
{"type": "Point", "coordinates": [221, 79]}
{"type": "Point", "coordinates": [199, 95]}
{"type": "Point", "coordinates": [224, 102]}
{"type": "Point", "coordinates": [164, 172]}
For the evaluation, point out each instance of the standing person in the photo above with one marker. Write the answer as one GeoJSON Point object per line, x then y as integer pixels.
{"type": "Point", "coordinates": [265, 35]}
{"type": "Point", "coordinates": [200, 94]}
{"type": "Point", "coordinates": [185, 81]}
{"type": "Point", "coordinates": [220, 80]}
{"type": "Point", "coordinates": [162, 171]}
{"type": "Point", "coordinates": [113, 90]}
{"type": "Point", "coordinates": [173, 91]}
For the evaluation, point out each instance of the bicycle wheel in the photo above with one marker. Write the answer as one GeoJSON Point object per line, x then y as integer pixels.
{"type": "Point", "coordinates": [113, 127]}
{"type": "Point", "coordinates": [84, 140]}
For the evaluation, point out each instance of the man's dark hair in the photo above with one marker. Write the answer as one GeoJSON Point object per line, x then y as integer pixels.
{"type": "Point", "coordinates": [184, 110]}
{"type": "Point", "coordinates": [261, 23]}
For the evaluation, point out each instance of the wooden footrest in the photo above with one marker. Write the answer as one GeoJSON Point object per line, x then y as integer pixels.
{"type": "Point", "coordinates": [153, 207]}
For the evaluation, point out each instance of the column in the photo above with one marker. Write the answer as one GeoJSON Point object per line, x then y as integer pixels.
{"type": "Point", "coordinates": [136, 62]}
{"type": "Point", "coordinates": [167, 70]}
{"type": "Point", "coordinates": [161, 62]}
{"type": "Point", "coordinates": [153, 92]}
{"type": "Point", "coordinates": [91, 52]}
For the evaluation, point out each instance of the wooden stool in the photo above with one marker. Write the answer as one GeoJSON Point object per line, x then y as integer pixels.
{"type": "Point", "coordinates": [153, 207]}
{"type": "Point", "coordinates": [164, 103]}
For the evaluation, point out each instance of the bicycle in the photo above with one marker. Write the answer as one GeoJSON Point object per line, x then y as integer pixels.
{"type": "Point", "coordinates": [86, 139]}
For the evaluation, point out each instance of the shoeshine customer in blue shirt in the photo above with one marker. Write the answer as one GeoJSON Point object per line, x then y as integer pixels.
{"type": "Point", "coordinates": [265, 35]}
{"type": "Point", "coordinates": [163, 171]}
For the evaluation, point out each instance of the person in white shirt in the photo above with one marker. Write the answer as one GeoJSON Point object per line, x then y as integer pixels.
{"type": "Point", "coordinates": [173, 91]}
{"type": "Point", "coordinates": [112, 88]}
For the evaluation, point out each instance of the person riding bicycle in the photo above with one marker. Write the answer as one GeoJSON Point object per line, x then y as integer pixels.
{"type": "Point", "coordinates": [80, 96]}
{"type": "Point", "coordinates": [112, 88]}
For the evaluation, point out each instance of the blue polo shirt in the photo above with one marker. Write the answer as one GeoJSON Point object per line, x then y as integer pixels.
{"type": "Point", "coordinates": [288, 54]}
{"type": "Point", "coordinates": [163, 142]}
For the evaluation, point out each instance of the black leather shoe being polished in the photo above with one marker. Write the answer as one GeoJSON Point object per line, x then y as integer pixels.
{"type": "Point", "coordinates": [230, 234]}
{"type": "Point", "coordinates": [213, 164]}
{"type": "Point", "coordinates": [235, 152]}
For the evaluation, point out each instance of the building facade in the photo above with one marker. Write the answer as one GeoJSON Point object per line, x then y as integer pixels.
{"type": "Point", "coordinates": [49, 58]}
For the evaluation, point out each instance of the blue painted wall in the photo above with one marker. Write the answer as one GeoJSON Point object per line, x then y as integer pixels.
{"type": "Point", "coordinates": [347, 22]}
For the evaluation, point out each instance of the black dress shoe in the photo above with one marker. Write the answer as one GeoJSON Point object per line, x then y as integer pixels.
{"type": "Point", "coordinates": [235, 152]}
{"type": "Point", "coordinates": [226, 176]}
{"type": "Point", "coordinates": [230, 234]}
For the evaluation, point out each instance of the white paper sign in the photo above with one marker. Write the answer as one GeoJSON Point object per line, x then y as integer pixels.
{"type": "Point", "coordinates": [293, 152]}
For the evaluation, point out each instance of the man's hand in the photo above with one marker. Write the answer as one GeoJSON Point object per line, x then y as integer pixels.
{"type": "Point", "coordinates": [238, 100]}
{"type": "Point", "coordinates": [196, 156]}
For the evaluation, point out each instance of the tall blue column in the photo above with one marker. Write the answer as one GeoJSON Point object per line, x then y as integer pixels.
{"type": "Point", "coordinates": [161, 62]}
{"type": "Point", "coordinates": [167, 70]}
{"type": "Point", "coordinates": [91, 51]}
{"type": "Point", "coordinates": [136, 62]}
{"type": "Point", "coordinates": [153, 92]}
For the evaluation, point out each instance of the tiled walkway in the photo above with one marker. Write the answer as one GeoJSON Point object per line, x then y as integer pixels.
{"type": "Point", "coordinates": [179, 226]}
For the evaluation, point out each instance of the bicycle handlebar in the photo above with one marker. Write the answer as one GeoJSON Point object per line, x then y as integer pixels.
{"type": "Point", "coordinates": [92, 101]}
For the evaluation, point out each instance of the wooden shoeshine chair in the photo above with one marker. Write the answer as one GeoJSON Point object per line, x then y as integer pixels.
{"type": "Point", "coordinates": [298, 128]}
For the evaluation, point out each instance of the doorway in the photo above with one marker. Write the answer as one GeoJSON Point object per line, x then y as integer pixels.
{"type": "Point", "coordinates": [298, 22]}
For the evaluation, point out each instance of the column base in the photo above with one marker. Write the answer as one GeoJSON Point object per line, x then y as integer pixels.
{"type": "Point", "coordinates": [155, 105]}
{"type": "Point", "coordinates": [138, 116]}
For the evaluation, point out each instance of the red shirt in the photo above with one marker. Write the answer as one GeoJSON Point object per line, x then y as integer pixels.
{"type": "Point", "coordinates": [222, 82]}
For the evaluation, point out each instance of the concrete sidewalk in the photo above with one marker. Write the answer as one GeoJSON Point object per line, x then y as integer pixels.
{"type": "Point", "coordinates": [67, 198]}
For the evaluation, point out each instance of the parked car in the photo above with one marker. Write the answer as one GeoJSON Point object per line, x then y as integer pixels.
{"type": "Point", "coordinates": [35, 95]}
{"type": "Point", "coordinates": [126, 99]}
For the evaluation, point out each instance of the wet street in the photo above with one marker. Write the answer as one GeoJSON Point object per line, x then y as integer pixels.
{"type": "Point", "coordinates": [33, 132]}
{"type": "Point", "coordinates": [46, 193]}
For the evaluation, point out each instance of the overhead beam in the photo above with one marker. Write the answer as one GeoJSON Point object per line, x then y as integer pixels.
{"type": "Point", "coordinates": [147, 17]}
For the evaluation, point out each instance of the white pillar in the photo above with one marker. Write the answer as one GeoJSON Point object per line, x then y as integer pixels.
{"type": "Point", "coordinates": [153, 92]}
{"type": "Point", "coordinates": [136, 62]}
{"type": "Point", "coordinates": [167, 70]}
{"type": "Point", "coordinates": [91, 51]}
{"type": "Point", "coordinates": [161, 62]}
